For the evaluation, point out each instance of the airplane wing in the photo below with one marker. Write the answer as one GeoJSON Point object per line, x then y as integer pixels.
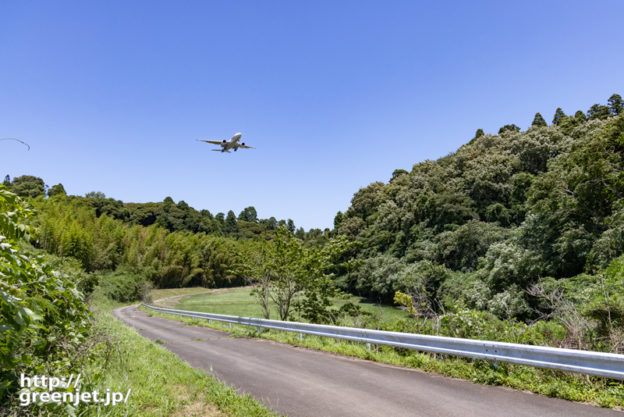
{"type": "Point", "coordinates": [246, 147]}
{"type": "Point", "coordinates": [219, 150]}
{"type": "Point", "coordinates": [215, 142]}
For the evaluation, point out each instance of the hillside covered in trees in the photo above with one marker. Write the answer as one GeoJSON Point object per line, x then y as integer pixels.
{"type": "Point", "coordinates": [500, 222]}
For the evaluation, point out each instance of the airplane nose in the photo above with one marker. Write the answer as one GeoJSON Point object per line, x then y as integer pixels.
{"type": "Point", "coordinates": [237, 135]}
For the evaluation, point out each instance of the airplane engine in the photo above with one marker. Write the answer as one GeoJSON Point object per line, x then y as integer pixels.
{"type": "Point", "coordinates": [243, 143]}
{"type": "Point", "coordinates": [223, 141]}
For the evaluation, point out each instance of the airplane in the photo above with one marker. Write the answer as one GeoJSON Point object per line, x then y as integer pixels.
{"type": "Point", "coordinates": [227, 145]}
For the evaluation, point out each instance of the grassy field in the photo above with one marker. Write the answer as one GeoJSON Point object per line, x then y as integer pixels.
{"type": "Point", "coordinates": [239, 302]}
{"type": "Point", "coordinates": [162, 384]}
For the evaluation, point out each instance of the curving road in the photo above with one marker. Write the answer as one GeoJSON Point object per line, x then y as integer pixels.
{"type": "Point", "coordinates": [302, 382]}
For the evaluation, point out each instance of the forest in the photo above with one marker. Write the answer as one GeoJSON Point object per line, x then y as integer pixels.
{"type": "Point", "coordinates": [514, 230]}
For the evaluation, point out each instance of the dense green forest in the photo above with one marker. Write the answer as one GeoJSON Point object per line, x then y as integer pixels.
{"type": "Point", "coordinates": [520, 224]}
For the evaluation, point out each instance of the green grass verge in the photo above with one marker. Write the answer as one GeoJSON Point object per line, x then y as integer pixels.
{"type": "Point", "coordinates": [595, 390]}
{"type": "Point", "coordinates": [162, 384]}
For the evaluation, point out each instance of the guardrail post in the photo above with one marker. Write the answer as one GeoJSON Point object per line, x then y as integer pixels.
{"type": "Point", "coordinates": [368, 347]}
{"type": "Point", "coordinates": [230, 324]}
{"type": "Point", "coordinates": [300, 336]}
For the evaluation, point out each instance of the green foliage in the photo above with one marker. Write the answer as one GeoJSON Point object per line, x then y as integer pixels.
{"type": "Point", "coordinates": [249, 214]}
{"type": "Point", "coordinates": [504, 209]}
{"type": "Point", "coordinates": [43, 317]}
{"type": "Point", "coordinates": [538, 121]}
{"type": "Point", "coordinates": [598, 111]}
{"type": "Point", "coordinates": [28, 186]}
{"type": "Point", "coordinates": [580, 116]}
{"type": "Point", "coordinates": [289, 275]}
{"type": "Point", "coordinates": [57, 189]}
{"type": "Point", "coordinates": [616, 104]}
{"type": "Point", "coordinates": [122, 285]}
{"type": "Point", "coordinates": [559, 116]}
{"type": "Point", "coordinates": [509, 128]}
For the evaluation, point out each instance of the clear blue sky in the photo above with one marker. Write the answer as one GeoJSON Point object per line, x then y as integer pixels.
{"type": "Point", "coordinates": [334, 95]}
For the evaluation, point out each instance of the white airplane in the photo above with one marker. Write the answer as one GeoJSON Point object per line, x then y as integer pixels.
{"type": "Point", "coordinates": [227, 145]}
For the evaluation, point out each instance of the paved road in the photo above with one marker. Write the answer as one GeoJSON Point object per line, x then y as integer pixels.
{"type": "Point", "coordinates": [302, 382]}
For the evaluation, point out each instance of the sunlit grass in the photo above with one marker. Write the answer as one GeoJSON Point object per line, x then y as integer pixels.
{"type": "Point", "coordinates": [240, 302]}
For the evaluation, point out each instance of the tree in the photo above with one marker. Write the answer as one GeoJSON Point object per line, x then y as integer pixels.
{"type": "Point", "coordinates": [598, 111]}
{"type": "Point", "coordinates": [57, 189]}
{"type": "Point", "coordinates": [510, 128]}
{"type": "Point", "coordinates": [580, 116]}
{"type": "Point", "coordinates": [538, 121]}
{"type": "Point", "coordinates": [559, 116]}
{"type": "Point", "coordinates": [290, 225]}
{"type": "Point", "coordinates": [616, 104]}
{"type": "Point", "coordinates": [338, 219]}
{"type": "Point", "coordinates": [397, 173]}
{"type": "Point", "coordinates": [276, 272]}
{"type": "Point", "coordinates": [95, 195]}
{"type": "Point", "coordinates": [249, 214]}
{"type": "Point", "coordinates": [284, 268]}
{"type": "Point", "coordinates": [7, 181]}
{"type": "Point", "coordinates": [479, 133]}
{"type": "Point", "coordinates": [230, 223]}
{"type": "Point", "coordinates": [28, 186]}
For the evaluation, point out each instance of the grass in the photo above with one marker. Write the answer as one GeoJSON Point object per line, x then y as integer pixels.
{"type": "Point", "coordinates": [239, 302]}
{"type": "Point", "coordinates": [595, 390]}
{"type": "Point", "coordinates": [162, 384]}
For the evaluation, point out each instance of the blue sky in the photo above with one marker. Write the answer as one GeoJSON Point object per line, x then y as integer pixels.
{"type": "Point", "coordinates": [334, 95]}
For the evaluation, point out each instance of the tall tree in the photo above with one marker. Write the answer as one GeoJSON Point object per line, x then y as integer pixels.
{"type": "Point", "coordinates": [57, 189]}
{"type": "Point", "coordinates": [559, 116]}
{"type": "Point", "coordinates": [598, 111]}
{"type": "Point", "coordinates": [290, 225]}
{"type": "Point", "coordinates": [230, 223]}
{"type": "Point", "coordinates": [249, 214]}
{"type": "Point", "coordinates": [479, 133]}
{"type": "Point", "coordinates": [616, 104]}
{"type": "Point", "coordinates": [538, 121]}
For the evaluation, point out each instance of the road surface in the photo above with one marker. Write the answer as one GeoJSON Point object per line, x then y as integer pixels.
{"type": "Point", "coordinates": [296, 381]}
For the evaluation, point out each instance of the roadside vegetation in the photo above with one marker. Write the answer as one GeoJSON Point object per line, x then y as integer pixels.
{"type": "Point", "coordinates": [47, 328]}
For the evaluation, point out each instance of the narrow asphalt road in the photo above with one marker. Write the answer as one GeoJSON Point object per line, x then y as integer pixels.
{"type": "Point", "coordinates": [302, 382]}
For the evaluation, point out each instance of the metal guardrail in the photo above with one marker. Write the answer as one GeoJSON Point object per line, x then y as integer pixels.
{"type": "Point", "coordinates": [593, 363]}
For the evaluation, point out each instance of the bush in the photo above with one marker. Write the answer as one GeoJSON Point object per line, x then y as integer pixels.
{"type": "Point", "coordinates": [44, 320]}
{"type": "Point", "coordinates": [122, 285]}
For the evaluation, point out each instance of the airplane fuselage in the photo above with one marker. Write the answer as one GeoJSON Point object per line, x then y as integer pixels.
{"type": "Point", "coordinates": [226, 145]}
